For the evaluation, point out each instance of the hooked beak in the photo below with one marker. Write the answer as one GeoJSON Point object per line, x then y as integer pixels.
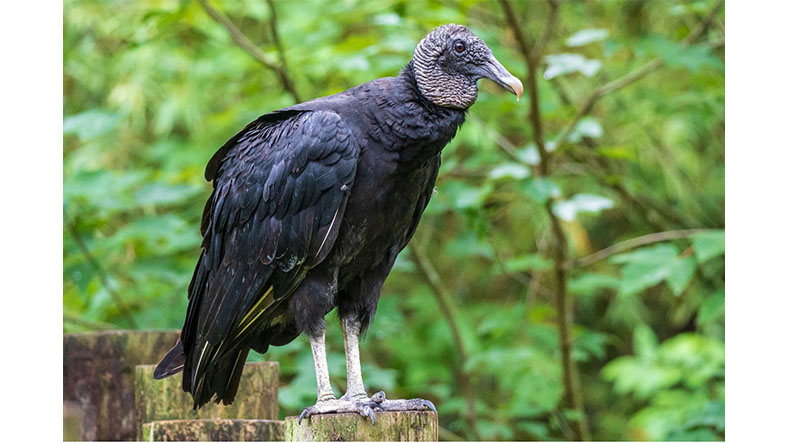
{"type": "Point", "coordinates": [497, 73]}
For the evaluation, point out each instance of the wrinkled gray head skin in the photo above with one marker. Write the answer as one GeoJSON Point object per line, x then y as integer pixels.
{"type": "Point", "coordinates": [449, 61]}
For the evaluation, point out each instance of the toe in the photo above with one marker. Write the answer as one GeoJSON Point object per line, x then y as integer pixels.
{"type": "Point", "coordinates": [428, 404]}
{"type": "Point", "coordinates": [379, 397]}
{"type": "Point", "coordinates": [306, 413]}
{"type": "Point", "coordinates": [366, 411]}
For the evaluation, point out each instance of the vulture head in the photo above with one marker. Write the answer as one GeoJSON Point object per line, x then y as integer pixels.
{"type": "Point", "coordinates": [449, 61]}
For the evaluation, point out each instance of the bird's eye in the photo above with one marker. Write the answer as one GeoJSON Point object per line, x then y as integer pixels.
{"type": "Point", "coordinates": [459, 47]}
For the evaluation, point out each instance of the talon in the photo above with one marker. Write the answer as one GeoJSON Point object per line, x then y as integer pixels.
{"type": "Point", "coordinates": [371, 415]}
{"type": "Point", "coordinates": [429, 404]}
{"type": "Point", "coordinates": [304, 413]}
{"type": "Point", "coordinates": [379, 397]}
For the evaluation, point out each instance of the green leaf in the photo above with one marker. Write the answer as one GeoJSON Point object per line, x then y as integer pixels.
{"type": "Point", "coordinates": [541, 189]}
{"type": "Point", "coordinates": [91, 123]}
{"type": "Point", "coordinates": [680, 274]}
{"type": "Point", "coordinates": [649, 255]}
{"type": "Point", "coordinates": [163, 194]}
{"type": "Point", "coordinates": [529, 155]}
{"type": "Point", "coordinates": [712, 308]}
{"type": "Point", "coordinates": [617, 152]}
{"type": "Point", "coordinates": [586, 127]}
{"type": "Point", "coordinates": [567, 210]}
{"type": "Point", "coordinates": [533, 262]}
{"type": "Point", "coordinates": [514, 171]}
{"type": "Point", "coordinates": [591, 282]}
{"type": "Point", "coordinates": [560, 64]}
{"type": "Point", "coordinates": [675, 54]}
{"type": "Point", "coordinates": [586, 36]}
{"type": "Point", "coordinates": [708, 245]}
{"type": "Point", "coordinates": [645, 267]}
{"type": "Point", "coordinates": [644, 342]}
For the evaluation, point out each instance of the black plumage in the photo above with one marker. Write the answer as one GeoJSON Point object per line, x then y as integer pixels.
{"type": "Point", "coordinates": [311, 205]}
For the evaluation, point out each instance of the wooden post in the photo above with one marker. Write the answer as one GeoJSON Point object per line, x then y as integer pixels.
{"type": "Point", "coordinates": [98, 377]}
{"type": "Point", "coordinates": [158, 400]}
{"type": "Point", "coordinates": [389, 426]}
{"type": "Point", "coordinates": [72, 421]}
{"type": "Point", "coordinates": [213, 430]}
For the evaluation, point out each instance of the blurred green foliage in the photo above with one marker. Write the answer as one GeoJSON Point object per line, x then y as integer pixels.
{"type": "Point", "coordinates": [153, 87]}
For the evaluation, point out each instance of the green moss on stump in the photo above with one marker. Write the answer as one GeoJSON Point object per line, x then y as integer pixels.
{"type": "Point", "coordinates": [214, 430]}
{"type": "Point", "coordinates": [389, 426]}
{"type": "Point", "coordinates": [159, 400]}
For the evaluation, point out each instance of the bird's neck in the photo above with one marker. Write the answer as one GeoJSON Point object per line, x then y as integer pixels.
{"type": "Point", "coordinates": [421, 128]}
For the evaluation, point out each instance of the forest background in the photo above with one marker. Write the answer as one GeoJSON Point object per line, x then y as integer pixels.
{"type": "Point", "coordinates": [567, 279]}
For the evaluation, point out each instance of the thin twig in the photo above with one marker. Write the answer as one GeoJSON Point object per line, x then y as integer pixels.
{"type": "Point", "coordinates": [243, 41]}
{"type": "Point", "coordinates": [532, 62]}
{"type": "Point", "coordinates": [275, 36]}
{"type": "Point", "coordinates": [632, 243]}
{"type": "Point", "coordinates": [538, 50]}
{"type": "Point", "coordinates": [424, 264]}
{"type": "Point", "coordinates": [83, 247]}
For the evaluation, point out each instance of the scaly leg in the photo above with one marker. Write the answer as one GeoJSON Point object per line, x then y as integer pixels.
{"type": "Point", "coordinates": [324, 391]}
{"type": "Point", "coordinates": [326, 402]}
{"type": "Point", "coordinates": [355, 384]}
{"type": "Point", "coordinates": [351, 329]}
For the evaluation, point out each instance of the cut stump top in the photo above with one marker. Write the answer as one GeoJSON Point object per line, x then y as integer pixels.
{"type": "Point", "coordinates": [213, 430]}
{"type": "Point", "coordinates": [389, 426]}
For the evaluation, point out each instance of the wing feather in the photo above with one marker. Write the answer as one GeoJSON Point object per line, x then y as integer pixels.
{"type": "Point", "coordinates": [280, 188]}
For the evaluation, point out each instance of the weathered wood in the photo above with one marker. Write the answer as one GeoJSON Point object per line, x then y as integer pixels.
{"type": "Point", "coordinates": [72, 421]}
{"type": "Point", "coordinates": [165, 399]}
{"type": "Point", "coordinates": [214, 430]}
{"type": "Point", "coordinates": [98, 376]}
{"type": "Point", "coordinates": [389, 426]}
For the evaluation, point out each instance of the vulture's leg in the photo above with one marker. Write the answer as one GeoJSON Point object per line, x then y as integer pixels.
{"type": "Point", "coordinates": [326, 402]}
{"type": "Point", "coordinates": [351, 328]}
{"type": "Point", "coordinates": [324, 391]}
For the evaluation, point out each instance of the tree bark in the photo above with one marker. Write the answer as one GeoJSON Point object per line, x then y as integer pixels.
{"type": "Point", "coordinates": [389, 426]}
{"type": "Point", "coordinates": [159, 400]}
{"type": "Point", "coordinates": [214, 430]}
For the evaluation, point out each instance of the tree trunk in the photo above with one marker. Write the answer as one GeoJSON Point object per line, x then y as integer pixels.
{"type": "Point", "coordinates": [158, 400]}
{"type": "Point", "coordinates": [389, 426]}
{"type": "Point", "coordinates": [98, 377]}
{"type": "Point", "coordinates": [213, 430]}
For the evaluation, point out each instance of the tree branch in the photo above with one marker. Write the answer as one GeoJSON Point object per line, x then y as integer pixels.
{"type": "Point", "coordinates": [632, 243]}
{"type": "Point", "coordinates": [533, 56]}
{"type": "Point", "coordinates": [425, 266]}
{"type": "Point", "coordinates": [532, 59]}
{"type": "Point", "coordinates": [241, 40]}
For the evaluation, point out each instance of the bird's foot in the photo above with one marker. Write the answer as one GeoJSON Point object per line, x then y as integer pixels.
{"type": "Point", "coordinates": [366, 407]}
{"type": "Point", "coordinates": [362, 406]}
{"type": "Point", "coordinates": [414, 404]}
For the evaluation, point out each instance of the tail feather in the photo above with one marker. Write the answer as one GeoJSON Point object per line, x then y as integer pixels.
{"type": "Point", "coordinates": [171, 363]}
{"type": "Point", "coordinates": [219, 381]}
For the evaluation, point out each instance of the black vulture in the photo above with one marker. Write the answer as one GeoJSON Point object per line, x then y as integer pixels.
{"type": "Point", "coordinates": [311, 205]}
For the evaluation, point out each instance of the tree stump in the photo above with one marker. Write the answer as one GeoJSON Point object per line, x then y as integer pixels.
{"type": "Point", "coordinates": [72, 421]}
{"type": "Point", "coordinates": [389, 426]}
{"type": "Point", "coordinates": [98, 377]}
{"type": "Point", "coordinates": [214, 430]}
{"type": "Point", "coordinates": [165, 399]}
